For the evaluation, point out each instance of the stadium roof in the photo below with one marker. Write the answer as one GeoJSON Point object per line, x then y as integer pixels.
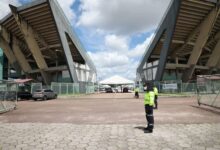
{"type": "Point", "coordinates": [188, 39]}
{"type": "Point", "coordinates": [44, 37]}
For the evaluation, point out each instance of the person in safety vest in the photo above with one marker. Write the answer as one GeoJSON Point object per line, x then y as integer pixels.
{"type": "Point", "coordinates": [149, 104]}
{"type": "Point", "coordinates": [156, 96]}
{"type": "Point", "coordinates": [136, 91]}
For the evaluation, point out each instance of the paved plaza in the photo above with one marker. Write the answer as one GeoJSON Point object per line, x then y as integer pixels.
{"type": "Point", "coordinates": [54, 136]}
{"type": "Point", "coordinates": [109, 122]}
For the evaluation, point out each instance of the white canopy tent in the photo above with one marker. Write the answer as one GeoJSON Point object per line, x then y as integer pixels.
{"type": "Point", "coordinates": [116, 80]}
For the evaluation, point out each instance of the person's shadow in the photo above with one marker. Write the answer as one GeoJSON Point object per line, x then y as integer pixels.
{"type": "Point", "coordinates": [140, 128]}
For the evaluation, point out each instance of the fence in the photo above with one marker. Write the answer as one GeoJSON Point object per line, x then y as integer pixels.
{"type": "Point", "coordinates": [8, 96]}
{"type": "Point", "coordinates": [66, 88]}
{"type": "Point", "coordinates": [208, 89]}
{"type": "Point", "coordinates": [36, 86]}
{"type": "Point", "coordinates": [73, 88]}
{"type": "Point", "coordinates": [174, 86]}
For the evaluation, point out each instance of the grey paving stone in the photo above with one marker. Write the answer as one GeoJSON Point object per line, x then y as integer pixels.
{"type": "Point", "coordinates": [109, 137]}
{"type": "Point", "coordinates": [211, 148]}
{"type": "Point", "coordinates": [91, 148]}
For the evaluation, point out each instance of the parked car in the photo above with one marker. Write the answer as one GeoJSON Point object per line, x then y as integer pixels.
{"type": "Point", "coordinates": [108, 90]}
{"type": "Point", "coordinates": [44, 94]}
{"type": "Point", "coordinates": [24, 95]}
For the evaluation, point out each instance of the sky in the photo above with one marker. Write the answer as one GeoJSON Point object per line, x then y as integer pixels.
{"type": "Point", "coordinates": [115, 33]}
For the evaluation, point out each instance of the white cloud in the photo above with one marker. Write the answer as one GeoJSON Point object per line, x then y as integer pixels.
{"type": "Point", "coordinates": [122, 16]}
{"type": "Point", "coordinates": [66, 6]}
{"type": "Point", "coordinates": [117, 21]}
{"type": "Point", "coordinates": [140, 49]}
{"type": "Point", "coordinates": [116, 43]}
{"type": "Point", "coordinates": [4, 6]}
{"type": "Point", "coordinates": [117, 58]}
{"type": "Point", "coordinates": [109, 59]}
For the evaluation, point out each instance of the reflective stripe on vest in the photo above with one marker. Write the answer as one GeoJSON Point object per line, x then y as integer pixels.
{"type": "Point", "coordinates": [149, 98]}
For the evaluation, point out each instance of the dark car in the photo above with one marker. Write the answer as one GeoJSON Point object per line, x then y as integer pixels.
{"type": "Point", "coordinates": [24, 95]}
{"type": "Point", "coordinates": [125, 90]}
{"type": "Point", "coordinates": [44, 94]}
{"type": "Point", "coordinates": [108, 90]}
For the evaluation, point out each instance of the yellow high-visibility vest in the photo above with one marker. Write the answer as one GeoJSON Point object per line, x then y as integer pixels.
{"type": "Point", "coordinates": [136, 89]}
{"type": "Point", "coordinates": [149, 98]}
{"type": "Point", "coordinates": [155, 91]}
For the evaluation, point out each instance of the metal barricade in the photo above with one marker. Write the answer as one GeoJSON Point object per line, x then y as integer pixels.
{"type": "Point", "coordinates": [208, 90]}
{"type": "Point", "coordinates": [8, 96]}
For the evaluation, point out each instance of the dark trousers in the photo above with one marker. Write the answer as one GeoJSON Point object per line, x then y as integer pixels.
{"type": "Point", "coordinates": [136, 94]}
{"type": "Point", "coordinates": [149, 116]}
{"type": "Point", "coordinates": [155, 101]}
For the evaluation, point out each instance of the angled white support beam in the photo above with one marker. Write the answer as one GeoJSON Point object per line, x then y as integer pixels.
{"type": "Point", "coordinates": [218, 65]}
{"type": "Point", "coordinates": [215, 56]}
{"type": "Point", "coordinates": [29, 36]}
{"type": "Point", "coordinates": [201, 40]}
{"type": "Point", "coordinates": [216, 38]}
{"type": "Point", "coordinates": [4, 33]}
{"type": "Point", "coordinates": [68, 54]}
{"type": "Point", "coordinates": [61, 25]}
{"type": "Point", "coordinates": [190, 37]}
{"type": "Point", "coordinates": [179, 53]}
{"type": "Point", "coordinates": [44, 43]}
{"type": "Point", "coordinates": [9, 53]}
{"type": "Point", "coordinates": [67, 35]}
{"type": "Point", "coordinates": [25, 66]}
{"type": "Point", "coordinates": [165, 30]}
{"type": "Point", "coordinates": [189, 52]}
{"type": "Point", "coordinates": [203, 36]}
{"type": "Point", "coordinates": [28, 33]}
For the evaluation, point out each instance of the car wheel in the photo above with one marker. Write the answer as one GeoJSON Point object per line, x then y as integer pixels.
{"type": "Point", "coordinates": [45, 97]}
{"type": "Point", "coordinates": [35, 99]}
{"type": "Point", "coordinates": [55, 97]}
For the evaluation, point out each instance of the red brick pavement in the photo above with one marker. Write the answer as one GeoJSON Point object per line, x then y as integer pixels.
{"type": "Point", "coordinates": [115, 108]}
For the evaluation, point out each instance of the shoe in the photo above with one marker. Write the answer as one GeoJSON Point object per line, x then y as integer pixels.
{"type": "Point", "coordinates": [148, 131]}
{"type": "Point", "coordinates": [146, 128]}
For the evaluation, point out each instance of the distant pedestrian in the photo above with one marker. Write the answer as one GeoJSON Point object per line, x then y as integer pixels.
{"type": "Point", "coordinates": [149, 104]}
{"type": "Point", "coordinates": [156, 97]}
{"type": "Point", "coordinates": [136, 91]}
